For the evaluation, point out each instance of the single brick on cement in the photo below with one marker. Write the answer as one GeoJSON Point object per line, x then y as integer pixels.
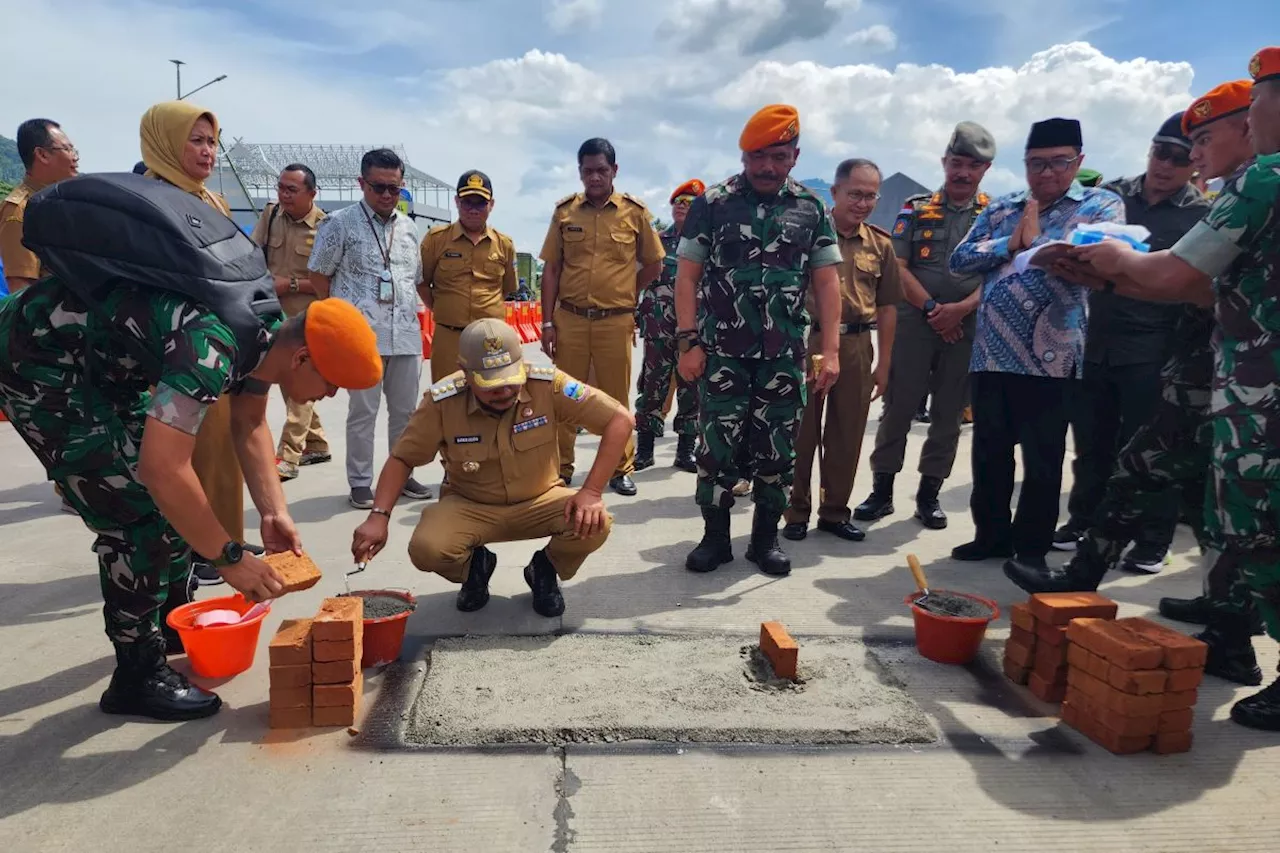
{"type": "Point", "coordinates": [1180, 650]}
{"type": "Point", "coordinates": [1117, 644]}
{"type": "Point", "coordinates": [339, 619]}
{"type": "Point", "coordinates": [781, 650]}
{"type": "Point", "coordinates": [1059, 608]}
{"type": "Point", "coordinates": [290, 676]}
{"type": "Point", "coordinates": [291, 645]}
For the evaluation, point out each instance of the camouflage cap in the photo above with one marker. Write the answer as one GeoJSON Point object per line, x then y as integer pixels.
{"type": "Point", "coordinates": [971, 139]}
{"type": "Point", "coordinates": [489, 351]}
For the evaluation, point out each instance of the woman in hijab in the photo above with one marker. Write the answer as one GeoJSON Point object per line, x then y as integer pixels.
{"type": "Point", "coordinates": [180, 146]}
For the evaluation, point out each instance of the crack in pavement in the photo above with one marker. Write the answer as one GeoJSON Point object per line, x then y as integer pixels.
{"type": "Point", "coordinates": [567, 784]}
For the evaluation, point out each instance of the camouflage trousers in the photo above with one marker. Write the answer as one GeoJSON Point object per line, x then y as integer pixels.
{"type": "Point", "coordinates": [659, 365]}
{"type": "Point", "coordinates": [752, 404]}
{"type": "Point", "coordinates": [1244, 524]}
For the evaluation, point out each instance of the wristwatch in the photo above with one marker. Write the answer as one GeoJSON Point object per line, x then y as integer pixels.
{"type": "Point", "coordinates": [687, 342]}
{"type": "Point", "coordinates": [232, 553]}
{"type": "Point", "coordinates": [293, 284]}
{"type": "Point", "coordinates": [929, 305]}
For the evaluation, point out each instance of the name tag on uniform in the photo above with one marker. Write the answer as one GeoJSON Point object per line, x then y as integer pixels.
{"type": "Point", "coordinates": [573, 228]}
{"type": "Point", "coordinates": [466, 439]}
{"type": "Point", "coordinates": [452, 254]}
{"type": "Point", "coordinates": [525, 426]}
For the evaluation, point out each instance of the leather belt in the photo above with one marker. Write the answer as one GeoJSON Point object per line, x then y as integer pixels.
{"type": "Point", "coordinates": [452, 328]}
{"type": "Point", "coordinates": [595, 313]}
{"type": "Point", "coordinates": [850, 328]}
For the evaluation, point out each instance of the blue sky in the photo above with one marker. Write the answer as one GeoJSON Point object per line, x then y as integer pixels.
{"type": "Point", "coordinates": [512, 86]}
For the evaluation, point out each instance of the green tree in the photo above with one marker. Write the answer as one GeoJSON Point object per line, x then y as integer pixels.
{"type": "Point", "coordinates": [11, 170]}
{"type": "Point", "coordinates": [660, 224]}
{"type": "Point", "coordinates": [5, 189]}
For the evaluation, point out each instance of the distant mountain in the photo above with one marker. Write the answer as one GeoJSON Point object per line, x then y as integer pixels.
{"type": "Point", "coordinates": [11, 170]}
{"type": "Point", "coordinates": [896, 189]}
{"type": "Point", "coordinates": [821, 187]}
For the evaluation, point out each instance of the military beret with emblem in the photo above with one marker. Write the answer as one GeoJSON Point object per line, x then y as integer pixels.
{"type": "Point", "coordinates": [1265, 65]}
{"type": "Point", "coordinates": [1221, 101]}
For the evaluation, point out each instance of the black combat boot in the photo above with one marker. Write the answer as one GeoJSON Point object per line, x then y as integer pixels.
{"type": "Point", "coordinates": [180, 593]}
{"type": "Point", "coordinates": [928, 510]}
{"type": "Point", "coordinates": [143, 685]}
{"type": "Point", "coordinates": [1231, 655]}
{"type": "Point", "coordinates": [644, 450]}
{"type": "Point", "coordinates": [880, 503]}
{"type": "Point", "coordinates": [1261, 710]}
{"type": "Point", "coordinates": [540, 575]}
{"type": "Point", "coordinates": [474, 593]}
{"type": "Point", "coordinates": [1082, 574]}
{"type": "Point", "coordinates": [764, 549]}
{"type": "Point", "coordinates": [1199, 610]}
{"type": "Point", "coordinates": [714, 550]}
{"type": "Point", "coordinates": [685, 460]}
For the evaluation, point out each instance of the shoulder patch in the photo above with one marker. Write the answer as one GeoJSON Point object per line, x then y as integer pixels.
{"type": "Point", "coordinates": [450, 386]}
{"type": "Point", "coordinates": [562, 202]}
{"type": "Point", "coordinates": [629, 197]}
{"type": "Point", "coordinates": [541, 372]}
{"type": "Point", "coordinates": [436, 229]}
{"type": "Point", "coordinates": [18, 195]}
{"type": "Point", "coordinates": [878, 230]}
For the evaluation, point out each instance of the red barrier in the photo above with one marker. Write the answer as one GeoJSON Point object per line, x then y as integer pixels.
{"type": "Point", "coordinates": [427, 323]}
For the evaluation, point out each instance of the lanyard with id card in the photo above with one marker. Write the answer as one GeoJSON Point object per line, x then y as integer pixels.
{"type": "Point", "coordinates": [386, 288]}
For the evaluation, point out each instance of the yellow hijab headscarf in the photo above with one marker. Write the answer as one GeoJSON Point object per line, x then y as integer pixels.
{"type": "Point", "coordinates": [164, 131]}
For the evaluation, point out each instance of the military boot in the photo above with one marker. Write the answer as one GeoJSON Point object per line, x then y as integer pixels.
{"type": "Point", "coordinates": [1082, 574]}
{"type": "Point", "coordinates": [540, 575]}
{"type": "Point", "coordinates": [685, 460]}
{"type": "Point", "coordinates": [180, 593]}
{"type": "Point", "coordinates": [714, 550]}
{"type": "Point", "coordinates": [1231, 655]}
{"type": "Point", "coordinates": [928, 510]}
{"type": "Point", "coordinates": [474, 593]}
{"type": "Point", "coordinates": [1261, 710]}
{"type": "Point", "coordinates": [143, 685]}
{"type": "Point", "coordinates": [644, 450]}
{"type": "Point", "coordinates": [880, 502]}
{"type": "Point", "coordinates": [1199, 610]}
{"type": "Point", "coordinates": [764, 549]}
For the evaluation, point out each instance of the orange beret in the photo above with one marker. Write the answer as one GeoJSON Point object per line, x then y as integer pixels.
{"type": "Point", "coordinates": [1220, 102]}
{"type": "Point", "coordinates": [694, 187]}
{"type": "Point", "coordinates": [1265, 65]}
{"type": "Point", "coordinates": [343, 346]}
{"type": "Point", "coordinates": [773, 125]}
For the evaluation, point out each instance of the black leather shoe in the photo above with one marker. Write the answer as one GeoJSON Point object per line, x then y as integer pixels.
{"type": "Point", "coordinates": [623, 485]}
{"type": "Point", "coordinates": [975, 552]}
{"type": "Point", "coordinates": [685, 460]}
{"type": "Point", "coordinates": [880, 502]}
{"type": "Point", "coordinates": [715, 549]}
{"type": "Point", "coordinates": [143, 685]}
{"type": "Point", "coordinates": [764, 549]}
{"type": "Point", "coordinates": [844, 529]}
{"type": "Point", "coordinates": [540, 575]}
{"type": "Point", "coordinates": [1035, 577]}
{"type": "Point", "coordinates": [644, 450]}
{"type": "Point", "coordinates": [795, 531]}
{"type": "Point", "coordinates": [474, 593]}
{"type": "Point", "coordinates": [928, 510]}
{"type": "Point", "coordinates": [1194, 611]}
{"type": "Point", "coordinates": [567, 479]}
{"type": "Point", "coordinates": [1231, 655]}
{"type": "Point", "coordinates": [1261, 710]}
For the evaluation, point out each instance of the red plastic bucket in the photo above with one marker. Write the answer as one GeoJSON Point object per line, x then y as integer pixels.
{"type": "Point", "coordinates": [384, 636]}
{"type": "Point", "coordinates": [220, 651]}
{"type": "Point", "coordinates": [950, 639]}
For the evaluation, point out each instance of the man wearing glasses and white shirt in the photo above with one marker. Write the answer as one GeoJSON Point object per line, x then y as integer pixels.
{"type": "Point", "coordinates": [367, 254]}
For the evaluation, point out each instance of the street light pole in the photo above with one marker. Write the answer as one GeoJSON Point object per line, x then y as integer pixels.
{"type": "Point", "coordinates": [177, 66]}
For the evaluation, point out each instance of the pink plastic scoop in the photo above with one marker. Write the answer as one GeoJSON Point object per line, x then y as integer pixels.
{"type": "Point", "coordinates": [213, 618]}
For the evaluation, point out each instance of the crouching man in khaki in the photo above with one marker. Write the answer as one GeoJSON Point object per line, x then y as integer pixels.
{"type": "Point", "coordinates": [494, 425]}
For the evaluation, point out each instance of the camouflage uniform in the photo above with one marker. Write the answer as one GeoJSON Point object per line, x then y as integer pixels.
{"type": "Point", "coordinates": [757, 254]}
{"type": "Point", "coordinates": [656, 319]}
{"type": "Point", "coordinates": [77, 386]}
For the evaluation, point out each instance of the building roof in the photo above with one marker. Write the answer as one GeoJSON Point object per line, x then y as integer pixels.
{"type": "Point", "coordinates": [336, 166]}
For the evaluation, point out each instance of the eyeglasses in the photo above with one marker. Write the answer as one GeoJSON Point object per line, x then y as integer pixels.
{"type": "Point", "coordinates": [864, 198]}
{"type": "Point", "coordinates": [70, 149]}
{"type": "Point", "coordinates": [1171, 154]}
{"type": "Point", "coordinates": [473, 201]}
{"type": "Point", "coordinates": [286, 189]}
{"type": "Point", "coordinates": [1037, 165]}
{"type": "Point", "coordinates": [383, 189]}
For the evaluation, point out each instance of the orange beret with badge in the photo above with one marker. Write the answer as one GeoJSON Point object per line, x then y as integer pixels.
{"type": "Point", "coordinates": [694, 188]}
{"type": "Point", "coordinates": [772, 125]}
{"type": "Point", "coordinates": [1219, 102]}
{"type": "Point", "coordinates": [1265, 65]}
{"type": "Point", "coordinates": [342, 344]}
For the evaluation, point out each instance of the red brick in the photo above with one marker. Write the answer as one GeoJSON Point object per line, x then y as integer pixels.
{"type": "Point", "coordinates": [338, 695]}
{"type": "Point", "coordinates": [781, 650]}
{"type": "Point", "coordinates": [289, 718]}
{"type": "Point", "coordinates": [336, 716]}
{"type": "Point", "coordinates": [1130, 726]}
{"type": "Point", "coordinates": [1104, 737]}
{"type": "Point", "coordinates": [1070, 715]}
{"type": "Point", "coordinates": [1022, 637]}
{"type": "Point", "coordinates": [1021, 617]}
{"type": "Point", "coordinates": [1184, 679]}
{"type": "Point", "coordinates": [1111, 699]}
{"type": "Point", "coordinates": [1046, 691]}
{"type": "Point", "coordinates": [1138, 682]}
{"type": "Point", "coordinates": [1051, 657]}
{"type": "Point", "coordinates": [290, 676]}
{"type": "Point", "coordinates": [1020, 655]}
{"type": "Point", "coordinates": [1016, 674]}
{"type": "Point", "coordinates": [339, 619]}
{"type": "Point", "coordinates": [1176, 721]}
{"type": "Point", "coordinates": [290, 697]}
{"type": "Point", "coordinates": [334, 672]}
{"type": "Point", "coordinates": [1118, 645]}
{"type": "Point", "coordinates": [1059, 608]}
{"type": "Point", "coordinates": [1078, 656]}
{"type": "Point", "coordinates": [1180, 651]}
{"type": "Point", "coordinates": [291, 645]}
{"type": "Point", "coordinates": [1168, 743]}
{"type": "Point", "coordinates": [327, 652]}
{"type": "Point", "coordinates": [1051, 634]}
{"type": "Point", "coordinates": [1179, 701]}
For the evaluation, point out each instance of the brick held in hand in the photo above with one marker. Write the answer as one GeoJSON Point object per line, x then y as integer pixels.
{"type": "Point", "coordinates": [298, 573]}
{"type": "Point", "coordinates": [298, 675]}
{"type": "Point", "coordinates": [1059, 608]}
{"type": "Point", "coordinates": [291, 645]}
{"type": "Point", "coordinates": [1117, 644]}
{"type": "Point", "coordinates": [339, 619]}
{"type": "Point", "coordinates": [1020, 617]}
{"type": "Point", "coordinates": [1180, 650]}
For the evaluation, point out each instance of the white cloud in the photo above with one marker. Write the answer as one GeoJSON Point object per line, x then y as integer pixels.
{"type": "Point", "coordinates": [876, 38]}
{"type": "Point", "coordinates": [751, 26]}
{"type": "Point", "coordinates": [564, 15]}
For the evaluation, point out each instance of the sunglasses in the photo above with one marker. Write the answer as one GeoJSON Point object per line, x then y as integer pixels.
{"type": "Point", "coordinates": [383, 189]}
{"type": "Point", "coordinates": [1171, 154]}
{"type": "Point", "coordinates": [683, 199]}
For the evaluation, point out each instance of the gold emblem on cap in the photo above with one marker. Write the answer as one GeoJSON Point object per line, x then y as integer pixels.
{"type": "Point", "coordinates": [493, 345]}
{"type": "Point", "coordinates": [1202, 109]}
{"type": "Point", "coordinates": [790, 132]}
{"type": "Point", "coordinates": [475, 181]}
{"type": "Point", "coordinates": [1255, 65]}
{"type": "Point", "coordinates": [471, 467]}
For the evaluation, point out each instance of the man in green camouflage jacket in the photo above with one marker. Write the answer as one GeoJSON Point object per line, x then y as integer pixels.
{"type": "Point", "coordinates": [750, 249]}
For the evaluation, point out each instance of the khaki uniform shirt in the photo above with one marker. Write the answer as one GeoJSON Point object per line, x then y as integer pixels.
{"type": "Point", "coordinates": [288, 242]}
{"type": "Point", "coordinates": [507, 459]}
{"type": "Point", "coordinates": [600, 248]}
{"type": "Point", "coordinates": [468, 280]}
{"type": "Point", "coordinates": [869, 276]}
{"type": "Point", "coordinates": [18, 260]}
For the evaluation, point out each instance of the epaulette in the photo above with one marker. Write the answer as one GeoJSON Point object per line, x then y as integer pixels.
{"type": "Point", "coordinates": [18, 195]}
{"type": "Point", "coordinates": [562, 202]}
{"type": "Point", "coordinates": [543, 372]}
{"type": "Point", "coordinates": [450, 386]}
{"type": "Point", "coordinates": [879, 230]}
{"type": "Point", "coordinates": [629, 197]}
{"type": "Point", "coordinates": [912, 199]}
{"type": "Point", "coordinates": [436, 229]}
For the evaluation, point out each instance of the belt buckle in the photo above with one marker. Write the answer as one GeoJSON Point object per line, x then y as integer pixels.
{"type": "Point", "coordinates": [595, 314]}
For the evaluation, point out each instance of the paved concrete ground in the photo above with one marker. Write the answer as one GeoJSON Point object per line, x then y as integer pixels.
{"type": "Point", "coordinates": [1005, 775]}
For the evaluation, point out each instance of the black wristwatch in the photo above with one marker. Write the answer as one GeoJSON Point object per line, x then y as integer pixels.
{"type": "Point", "coordinates": [687, 342]}
{"type": "Point", "coordinates": [232, 553]}
{"type": "Point", "coordinates": [929, 305]}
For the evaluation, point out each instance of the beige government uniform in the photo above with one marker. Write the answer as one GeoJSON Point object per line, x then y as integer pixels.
{"type": "Point", "coordinates": [18, 260]}
{"type": "Point", "coordinates": [601, 249]}
{"type": "Point", "coordinates": [468, 281]}
{"type": "Point", "coordinates": [869, 280]}
{"type": "Point", "coordinates": [288, 243]}
{"type": "Point", "coordinates": [502, 473]}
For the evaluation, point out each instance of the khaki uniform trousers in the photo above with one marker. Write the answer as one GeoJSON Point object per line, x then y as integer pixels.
{"type": "Point", "coordinates": [845, 421]}
{"type": "Point", "coordinates": [604, 344]}
{"type": "Point", "coordinates": [671, 396]}
{"type": "Point", "coordinates": [302, 432]}
{"type": "Point", "coordinates": [444, 352]}
{"type": "Point", "coordinates": [218, 468]}
{"type": "Point", "coordinates": [450, 529]}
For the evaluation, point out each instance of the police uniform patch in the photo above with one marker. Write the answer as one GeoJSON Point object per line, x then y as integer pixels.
{"type": "Point", "coordinates": [574, 390]}
{"type": "Point", "coordinates": [900, 227]}
{"type": "Point", "coordinates": [525, 426]}
{"type": "Point", "coordinates": [466, 439]}
{"type": "Point", "coordinates": [470, 467]}
{"type": "Point", "coordinates": [925, 251]}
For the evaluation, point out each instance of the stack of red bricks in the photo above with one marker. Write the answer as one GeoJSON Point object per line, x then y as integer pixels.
{"type": "Point", "coordinates": [315, 667]}
{"type": "Point", "coordinates": [1132, 684]}
{"type": "Point", "coordinates": [1036, 654]}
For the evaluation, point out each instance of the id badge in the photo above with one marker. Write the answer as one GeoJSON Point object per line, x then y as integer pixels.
{"type": "Point", "coordinates": [386, 289]}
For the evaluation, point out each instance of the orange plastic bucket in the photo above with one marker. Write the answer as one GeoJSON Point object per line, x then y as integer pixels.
{"type": "Point", "coordinates": [223, 650]}
{"type": "Point", "coordinates": [950, 639]}
{"type": "Point", "coordinates": [384, 636]}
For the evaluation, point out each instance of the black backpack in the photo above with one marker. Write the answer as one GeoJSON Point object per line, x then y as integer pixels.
{"type": "Point", "coordinates": [95, 230]}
